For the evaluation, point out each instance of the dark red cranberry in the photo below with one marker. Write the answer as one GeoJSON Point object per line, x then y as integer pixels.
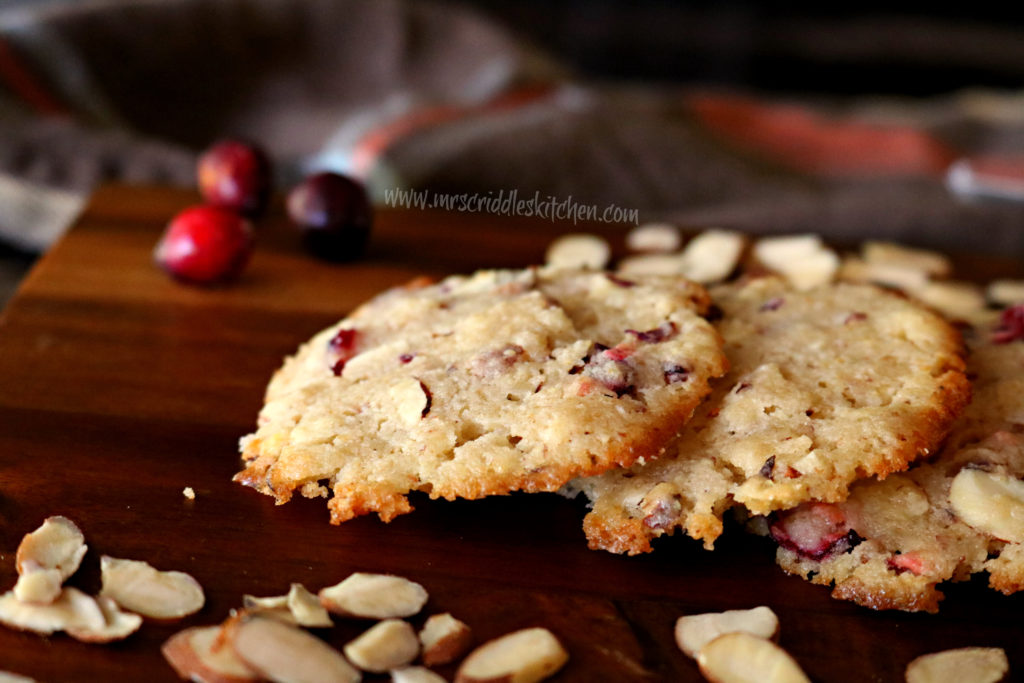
{"type": "Point", "coordinates": [664, 331]}
{"type": "Point", "coordinates": [204, 245]}
{"type": "Point", "coordinates": [1011, 325]}
{"type": "Point", "coordinates": [773, 304]}
{"type": "Point", "coordinates": [673, 373]}
{"type": "Point", "coordinates": [341, 349]}
{"type": "Point", "coordinates": [334, 215]}
{"type": "Point", "coordinates": [814, 530]}
{"type": "Point", "coordinates": [608, 368]}
{"type": "Point", "coordinates": [235, 175]}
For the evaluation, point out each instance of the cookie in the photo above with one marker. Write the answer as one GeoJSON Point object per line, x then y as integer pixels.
{"type": "Point", "coordinates": [826, 386]}
{"type": "Point", "coordinates": [481, 385]}
{"type": "Point", "coordinates": [894, 541]}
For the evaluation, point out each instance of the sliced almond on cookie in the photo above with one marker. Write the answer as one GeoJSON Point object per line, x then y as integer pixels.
{"type": "Point", "coordinates": [388, 644]}
{"type": "Point", "coordinates": [974, 664]}
{"type": "Point", "coordinates": [930, 263]}
{"type": "Point", "coordinates": [444, 639]}
{"type": "Point", "coordinates": [745, 658]}
{"type": "Point", "coordinates": [694, 631]}
{"type": "Point", "coordinates": [656, 237]}
{"type": "Point", "coordinates": [803, 260]}
{"type": "Point", "coordinates": [990, 502]}
{"type": "Point", "coordinates": [524, 656]}
{"type": "Point", "coordinates": [288, 654]}
{"type": "Point", "coordinates": [198, 654]}
{"type": "Point", "coordinates": [117, 625]}
{"type": "Point", "coordinates": [712, 256]}
{"type": "Point", "coordinates": [72, 609]}
{"type": "Point", "coordinates": [956, 300]}
{"type": "Point", "coordinates": [651, 264]}
{"type": "Point", "coordinates": [579, 250]}
{"type": "Point", "coordinates": [46, 557]}
{"type": "Point", "coordinates": [374, 596]}
{"type": "Point", "coordinates": [139, 587]}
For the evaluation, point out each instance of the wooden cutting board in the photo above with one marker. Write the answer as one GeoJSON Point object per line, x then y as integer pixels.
{"type": "Point", "coordinates": [120, 387]}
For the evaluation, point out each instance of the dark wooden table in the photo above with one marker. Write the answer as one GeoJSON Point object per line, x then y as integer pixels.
{"type": "Point", "coordinates": [119, 387]}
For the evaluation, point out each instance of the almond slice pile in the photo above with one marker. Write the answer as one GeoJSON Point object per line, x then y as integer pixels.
{"type": "Point", "coordinates": [40, 603]}
{"type": "Point", "coordinates": [266, 640]}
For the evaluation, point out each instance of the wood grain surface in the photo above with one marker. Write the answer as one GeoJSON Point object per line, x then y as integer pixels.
{"type": "Point", "coordinates": [120, 387]}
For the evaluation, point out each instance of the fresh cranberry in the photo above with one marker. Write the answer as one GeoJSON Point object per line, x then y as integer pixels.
{"type": "Point", "coordinates": [341, 349]}
{"type": "Point", "coordinates": [906, 562]}
{"type": "Point", "coordinates": [235, 175]}
{"type": "Point", "coordinates": [666, 330]}
{"type": "Point", "coordinates": [673, 373]}
{"type": "Point", "coordinates": [334, 215]}
{"type": "Point", "coordinates": [205, 244]}
{"type": "Point", "coordinates": [813, 530]}
{"type": "Point", "coordinates": [1011, 325]}
{"type": "Point", "coordinates": [610, 368]}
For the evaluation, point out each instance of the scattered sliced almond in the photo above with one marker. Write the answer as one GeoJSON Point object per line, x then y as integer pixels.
{"type": "Point", "coordinates": [651, 264]}
{"type": "Point", "coordinates": [197, 654]}
{"type": "Point", "coordinates": [694, 631]}
{"type": "Point", "coordinates": [712, 256]}
{"type": "Point", "coordinates": [578, 250]}
{"type": "Point", "coordinates": [1005, 292]}
{"type": "Point", "coordinates": [118, 625]}
{"type": "Point", "coordinates": [656, 237]}
{"type": "Point", "coordinates": [306, 608]}
{"type": "Point", "coordinates": [374, 596]}
{"type": "Point", "coordinates": [957, 300]}
{"type": "Point", "coordinates": [974, 664]}
{"type": "Point", "coordinates": [524, 656]}
{"type": "Point", "coordinates": [8, 677]}
{"type": "Point", "coordinates": [189, 493]}
{"type": "Point", "coordinates": [444, 639]}
{"type": "Point", "coordinates": [803, 260]}
{"type": "Point", "coordinates": [930, 263]}
{"type": "Point", "coordinates": [414, 674]}
{"type": "Point", "coordinates": [46, 557]}
{"type": "Point", "coordinates": [72, 610]}
{"type": "Point", "coordinates": [855, 269]}
{"type": "Point", "coordinates": [39, 586]}
{"type": "Point", "coordinates": [388, 644]}
{"type": "Point", "coordinates": [745, 658]}
{"type": "Point", "coordinates": [991, 502]}
{"type": "Point", "coordinates": [139, 587]}
{"type": "Point", "coordinates": [288, 654]}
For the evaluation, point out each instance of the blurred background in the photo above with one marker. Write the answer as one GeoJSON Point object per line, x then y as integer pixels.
{"type": "Point", "coordinates": [766, 117]}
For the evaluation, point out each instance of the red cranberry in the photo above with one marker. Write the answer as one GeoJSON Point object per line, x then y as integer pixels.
{"type": "Point", "coordinates": [334, 215]}
{"type": "Point", "coordinates": [1011, 325]}
{"type": "Point", "coordinates": [205, 244]}
{"type": "Point", "coordinates": [235, 175]}
{"type": "Point", "coordinates": [814, 530]}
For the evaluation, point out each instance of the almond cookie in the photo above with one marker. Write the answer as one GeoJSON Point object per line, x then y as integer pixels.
{"type": "Point", "coordinates": [826, 386]}
{"type": "Point", "coordinates": [893, 541]}
{"type": "Point", "coordinates": [481, 385]}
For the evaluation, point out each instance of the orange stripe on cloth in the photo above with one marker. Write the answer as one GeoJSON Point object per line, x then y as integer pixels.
{"type": "Point", "coordinates": [807, 141]}
{"type": "Point", "coordinates": [23, 83]}
{"type": "Point", "coordinates": [377, 141]}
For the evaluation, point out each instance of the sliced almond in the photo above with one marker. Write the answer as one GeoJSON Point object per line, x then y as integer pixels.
{"type": "Point", "coordinates": [409, 400]}
{"type": "Point", "coordinates": [694, 631]}
{"type": "Point", "coordinates": [118, 625]}
{"type": "Point", "coordinates": [930, 263]}
{"type": "Point", "coordinates": [288, 654]}
{"type": "Point", "coordinates": [990, 502]}
{"type": "Point", "coordinates": [745, 658]}
{"type": "Point", "coordinates": [40, 586]}
{"type": "Point", "coordinates": [524, 656]}
{"type": "Point", "coordinates": [578, 251]}
{"type": "Point", "coordinates": [957, 300]}
{"type": "Point", "coordinates": [444, 639]}
{"type": "Point", "coordinates": [197, 654]}
{"type": "Point", "coordinates": [8, 677]}
{"type": "Point", "coordinates": [854, 269]}
{"type": "Point", "coordinates": [712, 256]}
{"type": "Point", "coordinates": [139, 587]}
{"type": "Point", "coordinates": [374, 596]}
{"type": "Point", "coordinates": [416, 674]}
{"type": "Point", "coordinates": [73, 609]}
{"type": "Point", "coordinates": [306, 608]}
{"type": "Point", "coordinates": [386, 645]}
{"type": "Point", "coordinates": [974, 664]}
{"type": "Point", "coordinates": [46, 557]}
{"type": "Point", "coordinates": [803, 260]}
{"type": "Point", "coordinates": [656, 237]}
{"type": "Point", "coordinates": [1005, 292]}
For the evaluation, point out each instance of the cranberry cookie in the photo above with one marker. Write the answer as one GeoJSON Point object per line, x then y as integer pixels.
{"type": "Point", "coordinates": [484, 384]}
{"type": "Point", "coordinates": [826, 386]}
{"type": "Point", "coordinates": [893, 541]}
